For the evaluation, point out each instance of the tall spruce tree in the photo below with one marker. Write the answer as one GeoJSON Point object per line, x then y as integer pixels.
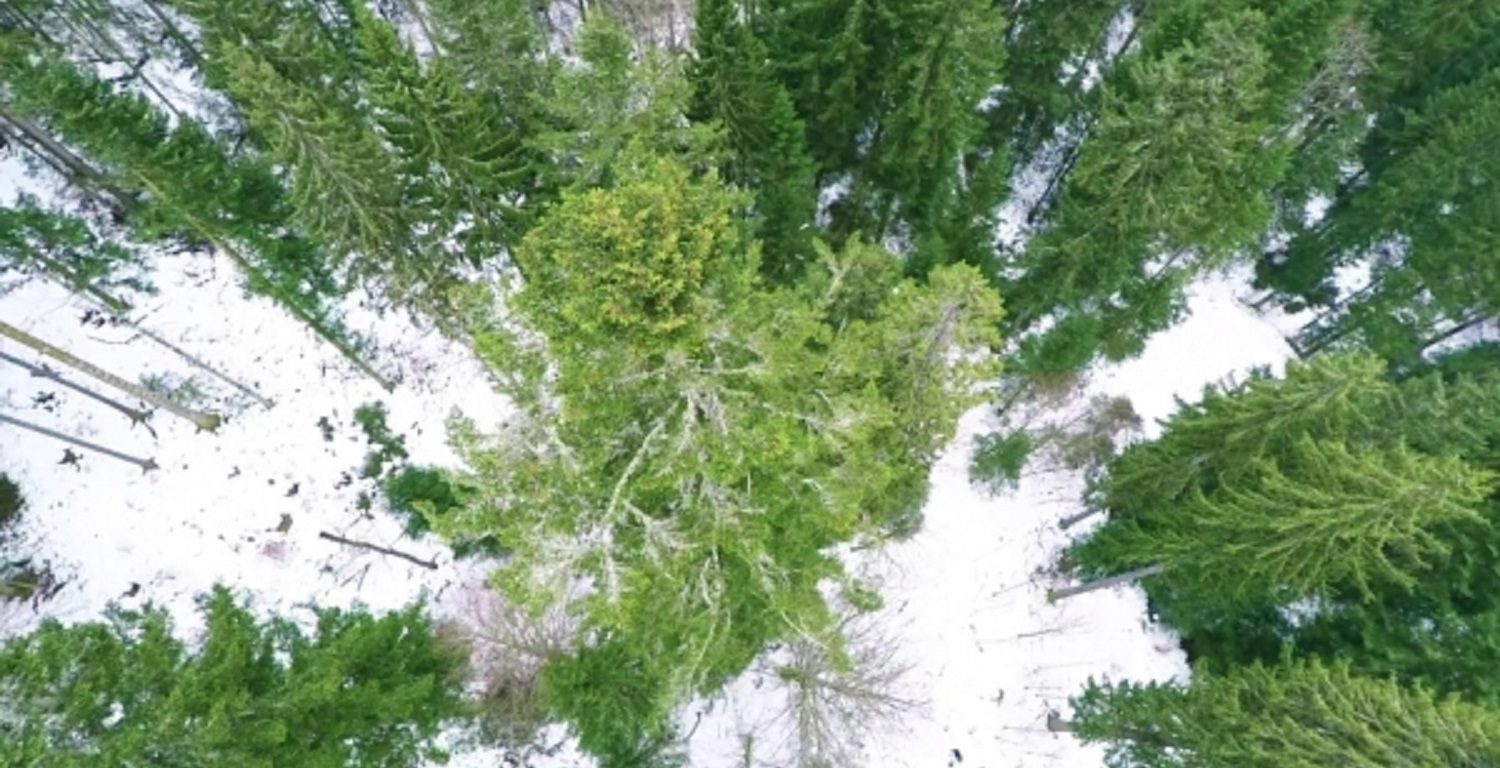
{"type": "Point", "coordinates": [1270, 451]}
{"type": "Point", "coordinates": [735, 84]}
{"type": "Point", "coordinates": [891, 93]}
{"type": "Point", "coordinates": [1316, 519]}
{"type": "Point", "coordinates": [1298, 715]}
{"type": "Point", "coordinates": [181, 183]}
{"type": "Point", "coordinates": [1176, 156]}
{"type": "Point", "coordinates": [1395, 201]}
{"type": "Point", "coordinates": [357, 690]}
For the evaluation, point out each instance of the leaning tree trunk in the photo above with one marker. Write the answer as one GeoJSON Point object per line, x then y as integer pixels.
{"type": "Point", "coordinates": [207, 422]}
{"type": "Point", "coordinates": [296, 309]}
{"type": "Point", "coordinates": [1128, 577]}
{"type": "Point", "coordinates": [72, 279]}
{"type": "Point", "coordinates": [136, 416]}
{"type": "Point", "coordinates": [1056, 723]}
{"type": "Point", "coordinates": [103, 44]}
{"type": "Point", "coordinates": [120, 309]}
{"type": "Point", "coordinates": [77, 168]}
{"type": "Point", "coordinates": [1460, 327]}
{"type": "Point", "coordinates": [175, 32]}
{"type": "Point", "coordinates": [146, 465]}
{"type": "Point", "coordinates": [193, 360]}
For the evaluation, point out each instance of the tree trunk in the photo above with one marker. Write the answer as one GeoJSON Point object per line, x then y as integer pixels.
{"type": "Point", "coordinates": [43, 372]}
{"type": "Point", "coordinates": [1072, 520]}
{"type": "Point", "coordinates": [207, 422]}
{"type": "Point", "coordinates": [1056, 724]}
{"type": "Point", "coordinates": [1054, 185]}
{"type": "Point", "coordinates": [119, 309]}
{"type": "Point", "coordinates": [69, 277]}
{"type": "Point", "coordinates": [428, 564]}
{"type": "Point", "coordinates": [202, 366]}
{"type": "Point", "coordinates": [146, 465]}
{"type": "Point", "coordinates": [1019, 390]}
{"type": "Point", "coordinates": [1317, 343]}
{"type": "Point", "coordinates": [99, 39]}
{"type": "Point", "coordinates": [1455, 330]}
{"type": "Point", "coordinates": [32, 25]}
{"type": "Point", "coordinates": [175, 32]}
{"type": "Point", "coordinates": [296, 309]}
{"type": "Point", "coordinates": [78, 168]}
{"type": "Point", "coordinates": [414, 9]}
{"type": "Point", "coordinates": [1128, 577]}
{"type": "Point", "coordinates": [1260, 304]}
{"type": "Point", "coordinates": [301, 313]}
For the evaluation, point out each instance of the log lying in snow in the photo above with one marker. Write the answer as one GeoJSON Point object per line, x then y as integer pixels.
{"type": "Point", "coordinates": [146, 465]}
{"type": "Point", "coordinates": [207, 422]}
{"type": "Point", "coordinates": [43, 372]}
{"type": "Point", "coordinates": [428, 564]}
{"type": "Point", "coordinates": [118, 308]}
{"type": "Point", "coordinates": [192, 360]}
{"type": "Point", "coordinates": [1129, 577]}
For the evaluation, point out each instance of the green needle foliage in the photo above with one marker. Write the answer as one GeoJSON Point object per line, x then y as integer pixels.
{"type": "Point", "coordinates": [692, 443]}
{"type": "Point", "coordinates": [65, 248]}
{"type": "Point", "coordinates": [179, 182]}
{"type": "Point", "coordinates": [1337, 512]}
{"type": "Point", "coordinates": [1319, 516]}
{"type": "Point", "coordinates": [1407, 181]}
{"type": "Point", "coordinates": [356, 690]}
{"type": "Point", "coordinates": [1296, 715]}
{"type": "Point", "coordinates": [735, 83]}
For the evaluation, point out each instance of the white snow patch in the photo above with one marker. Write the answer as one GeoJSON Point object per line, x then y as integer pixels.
{"type": "Point", "coordinates": [210, 514]}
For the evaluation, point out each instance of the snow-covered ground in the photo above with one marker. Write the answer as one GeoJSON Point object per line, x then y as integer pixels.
{"type": "Point", "coordinates": [212, 512]}
{"type": "Point", "coordinates": [965, 598]}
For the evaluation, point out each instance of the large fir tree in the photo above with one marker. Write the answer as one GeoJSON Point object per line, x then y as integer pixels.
{"type": "Point", "coordinates": [1300, 715]}
{"type": "Point", "coordinates": [357, 690]}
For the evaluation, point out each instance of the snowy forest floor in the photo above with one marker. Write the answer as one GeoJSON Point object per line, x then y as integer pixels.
{"type": "Point", "coordinates": [965, 598]}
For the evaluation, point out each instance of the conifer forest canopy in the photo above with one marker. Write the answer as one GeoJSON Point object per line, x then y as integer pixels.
{"type": "Point", "coordinates": [735, 277]}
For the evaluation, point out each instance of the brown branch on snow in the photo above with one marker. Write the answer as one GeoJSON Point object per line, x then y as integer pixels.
{"type": "Point", "coordinates": [430, 565]}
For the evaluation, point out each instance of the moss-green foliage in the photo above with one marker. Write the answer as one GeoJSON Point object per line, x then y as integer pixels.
{"type": "Point", "coordinates": [423, 494]}
{"type": "Point", "coordinates": [12, 503]}
{"type": "Point", "coordinates": [999, 458]}
{"type": "Point", "coordinates": [387, 446]}
{"type": "Point", "coordinates": [356, 690]}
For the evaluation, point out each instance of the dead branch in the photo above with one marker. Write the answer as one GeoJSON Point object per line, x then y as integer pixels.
{"type": "Point", "coordinates": [430, 565]}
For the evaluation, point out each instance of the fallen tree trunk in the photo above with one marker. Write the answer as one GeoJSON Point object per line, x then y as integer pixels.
{"type": "Point", "coordinates": [1128, 577]}
{"type": "Point", "coordinates": [117, 307]}
{"type": "Point", "coordinates": [202, 366]}
{"type": "Point", "coordinates": [43, 372]}
{"type": "Point", "coordinates": [207, 422]}
{"type": "Point", "coordinates": [146, 465]}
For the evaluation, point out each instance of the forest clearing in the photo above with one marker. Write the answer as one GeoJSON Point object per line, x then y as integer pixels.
{"type": "Point", "coordinates": [786, 383]}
